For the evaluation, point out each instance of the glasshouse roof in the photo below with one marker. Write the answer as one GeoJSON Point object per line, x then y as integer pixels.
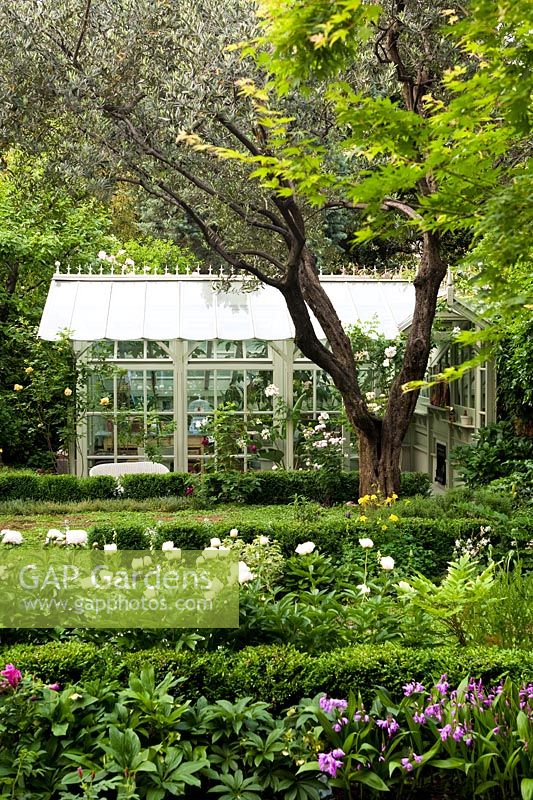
{"type": "Point", "coordinates": [163, 307]}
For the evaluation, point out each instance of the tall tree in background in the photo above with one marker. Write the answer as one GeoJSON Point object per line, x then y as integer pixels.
{"type": "Point", "coordinates": [372, 109]}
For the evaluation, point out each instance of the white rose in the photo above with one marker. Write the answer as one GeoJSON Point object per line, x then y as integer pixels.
{"type": "Point", "coordinates": [234, 532]}
{"type": "Point", "coordinates": [264, 540]}
{"type": "Point", "coordinates": [370, 395]}
{"type": "Point", "coordinates": [271, 390]}
{"type": "Point", "coordinates": [366, 543]}
{"type": "Point", "coordinates": [305, 548]}
{"type": "Point", "coordinates": [390, 352]}
{"type": "Point", "coordinates": [386, 362]}
{"type": "Point", "coordinates": [386, 562]}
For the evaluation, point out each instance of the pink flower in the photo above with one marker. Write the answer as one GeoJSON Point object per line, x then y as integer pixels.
{"type": "Point", "coordinates": [55, 687]}
{"type": "Point", "coordinates": [13, 675]}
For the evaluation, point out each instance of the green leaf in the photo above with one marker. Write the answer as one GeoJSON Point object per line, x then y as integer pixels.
{"type": "Point", "coordinates": [526, 788]}
{"type": "Point", "coordinates": [369, 779]}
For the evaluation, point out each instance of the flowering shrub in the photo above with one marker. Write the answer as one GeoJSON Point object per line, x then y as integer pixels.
{"type": "Point", "coordinates": [476, 737]}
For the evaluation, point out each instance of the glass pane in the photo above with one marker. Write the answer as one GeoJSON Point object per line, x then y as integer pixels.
{"type": "Point", "coordinates": [99, 392]}
{"type": "Point", "coordinates": [200, 398]}
{"type": "Point", "coordinates": [256, 383]}
{"type": "Point", "coordinates": [130, 349]}
{"type": "Point", "coordinates": [230, 388]}
{"type": "Point", "coordinates": [130, 434]}
{"type": "Point", "coordinates": [302, 389]}
{"type": "Point", "coordinates": [201, 350]}
{"type": "Point", "coordinates": [327, 396]}
{"type": "Point", "coordinates": [100, 434]}
{"type": "Point", "coordinates": [256, 349]}
{"type": "Point", "coordinates": [226, 348]}
{"type": "Point", "coordinates": [130, 390]}
{"type": "Point", "coordinates": [160, 390]}
{"type": "Point", "coordinates": [102, 350]}
{"type": "Point", "coordinates": [159, 436]}
{"type": "Point", "coordinates": [154, 350]}
{"type": "Point", "coordinates": [483, 387]}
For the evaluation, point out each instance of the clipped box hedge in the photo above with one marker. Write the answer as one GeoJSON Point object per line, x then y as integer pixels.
{"type": "Point", "coordinates": [426, 544]}
{"type": "Point", "coordinates": [276, 674]}
{"type": "Point", "coordinates": [258, 488]}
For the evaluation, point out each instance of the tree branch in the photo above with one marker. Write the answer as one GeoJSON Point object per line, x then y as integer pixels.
{"type": "Point", "coordinates": [148, 149]}
{"type": "Point", "coordinates": [83, 30]}
{"type": "Point", "coordinates": [212, 238]}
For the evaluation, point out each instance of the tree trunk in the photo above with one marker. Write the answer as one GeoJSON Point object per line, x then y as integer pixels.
{"type": "Point", "coordinates": [380, 441]}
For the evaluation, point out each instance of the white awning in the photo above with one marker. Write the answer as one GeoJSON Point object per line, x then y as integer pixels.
{"type": "Point", "coordinates": [159, 308]}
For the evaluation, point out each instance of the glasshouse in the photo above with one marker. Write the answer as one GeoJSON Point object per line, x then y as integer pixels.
{"type": "Point", "coordinates": [172, 364]}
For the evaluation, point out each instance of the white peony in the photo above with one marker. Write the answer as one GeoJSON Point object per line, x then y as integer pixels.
{"type": "Point", "coordinates": [305, 548]}
{"type": "Point", "coordinates": [55, 535]}
{"type": "Point", "coordinates": [366, 543]}
{"type": "Point", "coordinates": [386, 562]}
{"type": "Point", "coordinates": [215, 542]}
{"type": "Point", "coordinates": [264, 540]}
{"type": "Point", "coordinates": [363, 588]}
{"type": "Point", "coordinates": [244, 573]}
{"type": "Point", "coordinates": [11, 537]}
{"type": "Point", "coordinates": [234, 532]}
{"type": "Point", "coordinates": [404, 586]}
{"type": "Point", "coordinates": [167, 546]}
{"type": "Point", "coordinates": [110, 548]}
{"type": "Point", "coordinates": [76, 537]}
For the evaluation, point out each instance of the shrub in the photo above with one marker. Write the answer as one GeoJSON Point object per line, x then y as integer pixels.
{"type": "Point", "coordinates": [493, 454]}
{"type": "Point", "coordinates": [141, 487]}
{"type": "Point", "coordinates": [277, 674]}
{"type": "Point", "coordinates": [126, 537]}
{"type": "Point", "coordinates": [19, 486]}
{"type": "Point", "coordinates": [276, 487]}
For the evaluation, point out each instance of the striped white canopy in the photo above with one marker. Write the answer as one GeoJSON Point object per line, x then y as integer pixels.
{"type": "Point", "coordinates": [159, 308]}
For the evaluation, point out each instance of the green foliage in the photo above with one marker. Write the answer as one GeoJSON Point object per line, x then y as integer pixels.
{"type": "Point", "coordinates": [126, 537]}
{"type": "Point", "coordinates": [476, 735]}
{"type": "Point", "coordinates": [514, 361]}
{"type": "Point", "coordinates": [39, 224]}
{"type": "Point", "coordinates": [277, 674]}
{"type": "Point", "coordinates": [278, 486]}
{"type": "Point", "coordinates": [464, 593]}
{"type": "Point", "coordinates": [495, 453]}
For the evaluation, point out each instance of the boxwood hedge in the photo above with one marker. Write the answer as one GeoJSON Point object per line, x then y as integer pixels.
{"type": "Point", "coordinates": [277, 674]}
{"type": "Point", "coordinates": [279, 486]}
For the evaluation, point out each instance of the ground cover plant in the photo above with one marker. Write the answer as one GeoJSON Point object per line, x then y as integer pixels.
{"type": "Point", "coordinates": [148, 740]}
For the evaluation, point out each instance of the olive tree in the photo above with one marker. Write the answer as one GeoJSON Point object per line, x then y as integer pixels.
{"type": "Point", "coordinates": [151, 95]}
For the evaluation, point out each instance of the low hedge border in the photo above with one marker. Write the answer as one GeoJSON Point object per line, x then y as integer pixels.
{"type": "Point", "coordinates": [258, 488]}
{"type": "Point", "coordinates": [425, 545]}
{"type": "Point", "coordinates": [279, 675]}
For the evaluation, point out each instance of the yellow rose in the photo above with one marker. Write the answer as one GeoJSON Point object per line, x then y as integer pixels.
{"type": "Point", "coordinates": [28, 370]}
{"type": "Point", "coordinates": [394, 518]}
{"type": "Point", "coordinates": [67, 392]}
{"type": "Point", "coordinates": [104, 401]}
{"type": "Point", "coordinates": [17, 387]}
